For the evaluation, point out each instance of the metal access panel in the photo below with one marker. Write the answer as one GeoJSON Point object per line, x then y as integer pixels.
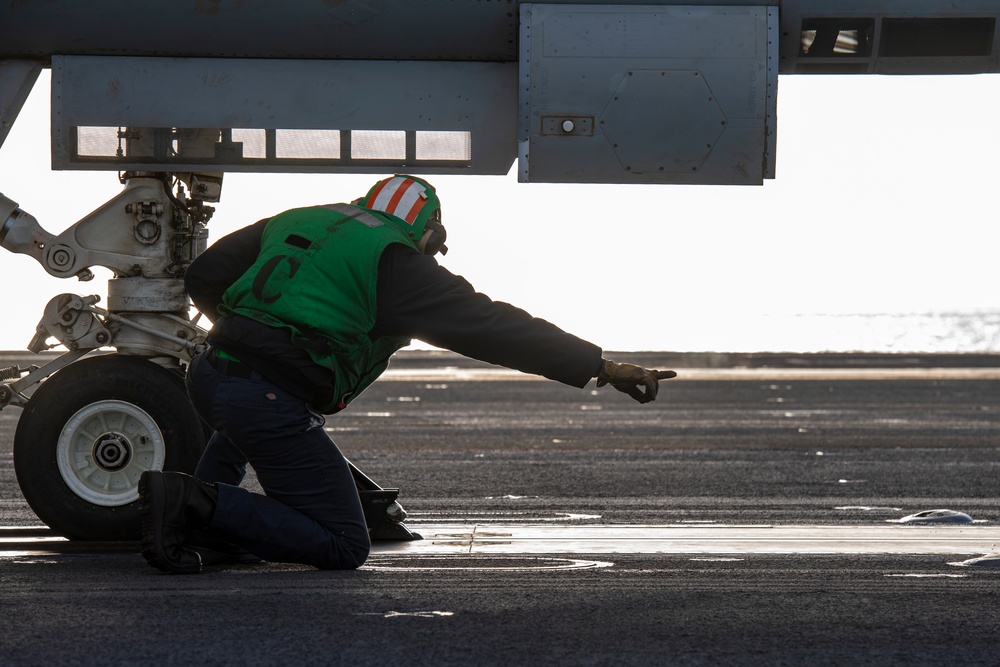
{"type": "Point", "coordinates": [278, 115]}
{"type": "Point", "coordinates": [647, 94]}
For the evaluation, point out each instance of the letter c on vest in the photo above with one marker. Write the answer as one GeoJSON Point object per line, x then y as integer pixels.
{"type": "Point", "coordinates": [265, 274]}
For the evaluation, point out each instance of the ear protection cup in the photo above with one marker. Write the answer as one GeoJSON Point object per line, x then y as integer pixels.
{"type": "Point", "coordinates": [433, 239]}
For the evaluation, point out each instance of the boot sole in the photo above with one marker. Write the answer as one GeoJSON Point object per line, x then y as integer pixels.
{"type": "Point", "coordinates": [152, 494]}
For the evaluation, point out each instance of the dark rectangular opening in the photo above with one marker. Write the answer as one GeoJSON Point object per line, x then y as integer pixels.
{"type": "Point", "coordinates": [941, 38]}
{"type": "Point", "coordinates": [836, 37]}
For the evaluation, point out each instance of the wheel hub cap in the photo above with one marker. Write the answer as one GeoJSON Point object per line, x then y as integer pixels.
{"type": "Point", "coordinates": [112, 452]}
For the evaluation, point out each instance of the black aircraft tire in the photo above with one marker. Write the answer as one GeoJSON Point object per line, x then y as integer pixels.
{"type": "Point", "coordinates": [88, 433]}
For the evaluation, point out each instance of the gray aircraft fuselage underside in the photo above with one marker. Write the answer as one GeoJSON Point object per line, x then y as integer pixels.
{"type": "Point", "coordinates": [618, 92]}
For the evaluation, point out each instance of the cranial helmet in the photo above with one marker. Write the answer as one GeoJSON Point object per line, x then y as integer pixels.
{"type": "Point", "coordinates": [413, 201]}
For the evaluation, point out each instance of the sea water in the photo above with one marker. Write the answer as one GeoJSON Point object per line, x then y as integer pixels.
{"type": "Point", "coordinates": [939, 332]}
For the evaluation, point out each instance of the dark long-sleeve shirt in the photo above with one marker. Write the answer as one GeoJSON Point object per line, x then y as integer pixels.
{"type": "Point", "coordinates": [416, 298]}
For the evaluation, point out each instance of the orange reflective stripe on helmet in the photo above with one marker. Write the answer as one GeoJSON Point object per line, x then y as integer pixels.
{"type": "Point", "coordinates": [411, 201]}
{"type": "Point", "coordinates": [399, 196]}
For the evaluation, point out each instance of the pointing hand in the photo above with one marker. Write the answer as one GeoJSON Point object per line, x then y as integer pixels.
{"type": "Point", "coordinates": [639, 383]}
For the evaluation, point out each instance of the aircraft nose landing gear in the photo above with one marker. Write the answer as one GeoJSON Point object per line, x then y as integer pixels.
{"type": "Point", "coordinates": [90, 431]}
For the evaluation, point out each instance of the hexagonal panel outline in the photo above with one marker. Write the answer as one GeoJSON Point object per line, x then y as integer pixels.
{"type": "Point", "coordinates": [662, 121]}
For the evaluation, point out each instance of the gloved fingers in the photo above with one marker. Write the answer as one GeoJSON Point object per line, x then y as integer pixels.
{"type": "Point", "coordinates": [641, 396]}
{"type": "Point", "coordinates": [642, 389]}
{"type": "Point", "coordinates": [639, 383]}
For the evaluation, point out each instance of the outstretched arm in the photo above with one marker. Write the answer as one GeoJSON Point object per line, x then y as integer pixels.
{"type": "Point", "coordinates": [420, 299]}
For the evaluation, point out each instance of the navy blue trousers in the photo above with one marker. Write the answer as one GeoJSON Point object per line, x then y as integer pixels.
{"type": "Point", "coordinates": [311, 513]}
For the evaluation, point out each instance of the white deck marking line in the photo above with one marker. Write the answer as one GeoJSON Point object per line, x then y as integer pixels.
{"type": "Point", "coordinates": [716, 539]}
{"type": "Point", "coordinates": [546, 539]}
{"type": "Point", "coordinates": [452, 374]}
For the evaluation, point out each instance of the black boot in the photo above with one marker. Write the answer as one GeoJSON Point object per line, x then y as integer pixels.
{"type": "Point", "coordinates": [214, 549]}
{"type": "Point", "coordinates": [173, 506]}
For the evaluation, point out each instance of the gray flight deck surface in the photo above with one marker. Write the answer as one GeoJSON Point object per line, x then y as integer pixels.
{"type": "Point", "coordinates": [749, 516]}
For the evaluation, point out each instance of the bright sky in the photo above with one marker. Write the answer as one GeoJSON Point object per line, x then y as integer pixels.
{"type": "Point", "coordinates": [884, 202]}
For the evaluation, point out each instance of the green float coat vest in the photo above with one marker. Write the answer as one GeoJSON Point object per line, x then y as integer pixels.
{"type": "Point", "coordinates": [316, 276]}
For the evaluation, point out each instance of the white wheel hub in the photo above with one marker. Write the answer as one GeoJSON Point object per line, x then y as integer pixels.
{"type": "Point", "coordinates": [105, 447]}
